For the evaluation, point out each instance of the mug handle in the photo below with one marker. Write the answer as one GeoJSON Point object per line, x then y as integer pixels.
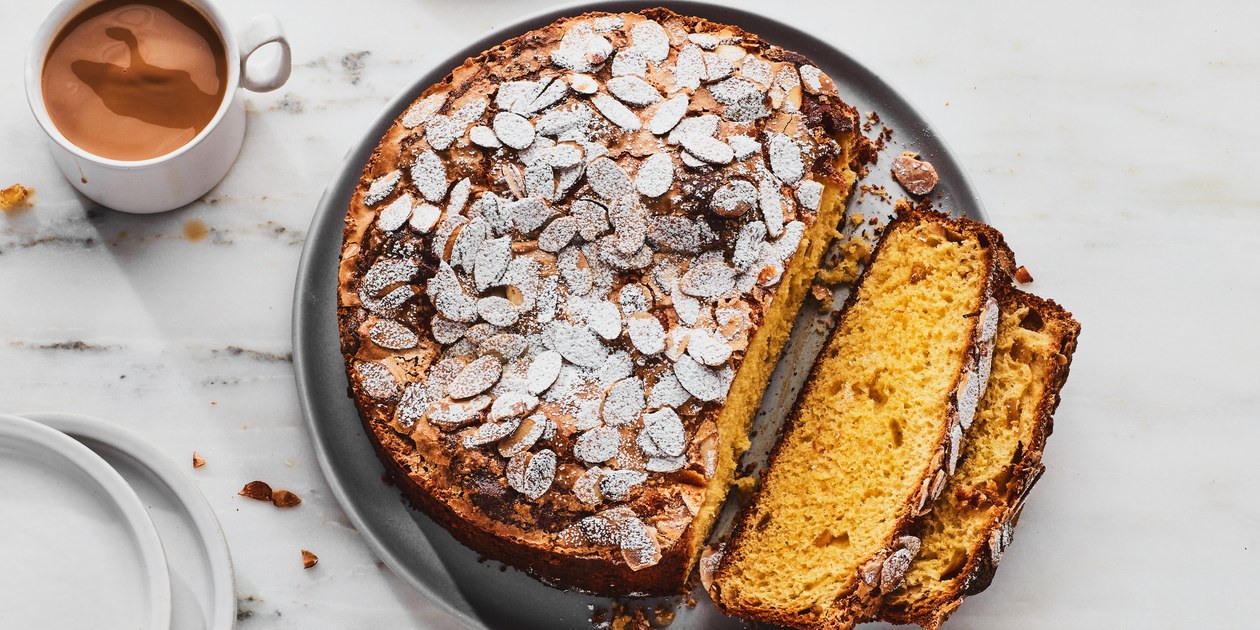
{"type": "Point", "coordinates": [262, 30]}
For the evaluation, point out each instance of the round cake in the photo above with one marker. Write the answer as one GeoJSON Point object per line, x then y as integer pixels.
{"type": "Point", "coordinates": [567, 273]}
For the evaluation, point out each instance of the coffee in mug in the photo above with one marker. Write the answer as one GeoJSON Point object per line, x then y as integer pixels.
{"type": "Point", "coordinates": [135, 79]}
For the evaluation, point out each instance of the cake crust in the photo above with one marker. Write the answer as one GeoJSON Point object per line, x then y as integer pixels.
{"type": "Point", "coordinates": [992, 539]}
{"type": "Point", "coordinates": [859, 596]}
{"type": "Point", "coordinates": [511, 486]}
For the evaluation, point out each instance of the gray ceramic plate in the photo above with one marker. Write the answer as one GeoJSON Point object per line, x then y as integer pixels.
{"type": "Point", "coordinates": [481, 594]}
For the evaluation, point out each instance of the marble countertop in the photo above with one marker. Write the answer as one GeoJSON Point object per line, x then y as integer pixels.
{"type": "Point", "coordinates": [1115, 145]}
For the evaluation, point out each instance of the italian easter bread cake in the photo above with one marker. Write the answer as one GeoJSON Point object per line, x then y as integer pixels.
{"type": "Point", "coordinates": [567, 273]}
{"type": "Point", "coordinates": [874, 433]}
{"type": "Point", "coordinates": [972, 522]}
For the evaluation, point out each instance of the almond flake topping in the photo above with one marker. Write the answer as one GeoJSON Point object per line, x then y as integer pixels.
{"type": "Point", "coordinates": [440, 132]}
{"type": "Point", "coordinates": [377, 380]}
{"type": "Point", "coordinates": [513, 130]}
{"type": "Point", "coordinates": [668, 392]}
{"type": "Point", "coordinates": [388, 333]}
{"type": "Point", "coordinates": [531, 474]}
{"type": "Point", "coordinates": [607, 23]}
{"type": "Point", "coordinates": [668, 114]}
{"type": "Point", "coordinates": [449, 416]}
{"type": "Point", "coordinates": [688, 68]}
{"type": "Point", "coordinates": [706, 125]}
{"type": "Point", "coordinates": [756, 70]}
{"type": "Point", "coordinates": [662, 434]}
{"type": "Point", "coordinates": [506, 346]}
{"type": "Point", "coordinates": [497, 310]}
{"type": "Point", "coordinates": [650, 39]}
{"type": "Point", "coordinates": [421, 111]}
{"type": "Point", "coordinates": [618, 114]}
{"type": "Point", "coordinates": [809, 194]}
{"type": "Point", "coordinates": [395, 214]}
{"type": "Point", "coordinates": [716, 68]}
{"type": "Point", "coordinates": [586, 488]}
{"type": "Point", "coordinates": [528, 214]}
{"type": "Point", "coordinates": [744, 146]}
{"type": "Point", "coordinates": [557, 234]}
{"type": "Point", "coordinates": [429, 176]}
{"type": "Point", "coordinates": [492, 261]}
{"type": "Point", "coordinates": [578, 345]}
{"type": "Point", "coordinates": [484, 136]}
{"type": "Point", "coordinates": [709, 277]}
{"type": "Point", "coordinates": [785, 159]}
{"type": "Point", "coordinates": [633, 90]}
{"type": "Point", "coordinates": [381, 187]}
{"type": "Point", "coordinates": [490, 432]}
{"type": "Point", "coordinates": [449, 298]}
{"type": "Point", "coordinates": [576, 270]}
{"type": "Point", "coordinates": [540, 180]}
{"type": "Point", "coordinates": [527, 434]}
{"type": "Point", "coordinates": [748, 246]}
{"type": "Point", "coordinates": [629, 221]}
{"type": "Point", "coordinates": [646, 333]}
{"type": "Point", "coordinates": [771, 206]}
{"type": "Point", "coordinates": [447, 332]}
{"type": "Point", "coordinates": [816, 81]}
{"type": "Point", "coordinates": [476, 377]}
{"type": "Point", "coordinates": [592, 218]}
{"type": "Point", "coordinates": [707, 348]}
{"type": "Point", "coordinates": [616, 485]}
{"type": "Point", "coordinates": [581, 50]}
{"type": "Point", "coordinates": [734, 199]}
{"type": "Point", "coordinates": [563, 155]}
{"type": "Point", "coordinates": [605, 319]}
{"type": "Point", "coordinates": [702, 382]}
{"type": "Point", "coordinates": [597, 445]}
{"type": "Point", "coordinates": [624, 402]}
{"type": "Point", "coordinates": [629, 62]}
{"type": "Point", "coordinates": [543, 371]}
{"type": "Point", "coordinates": [655, 175]}
{"type": "Point", "coordinates": [424, 217]}
{"type": "Point", "coordinates": [583, 84]}
{"type": "Point", "coordinates": [608, 179]}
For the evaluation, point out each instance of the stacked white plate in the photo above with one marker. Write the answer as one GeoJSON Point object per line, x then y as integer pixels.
{"type": "Point", "coordinates": [98, 529]}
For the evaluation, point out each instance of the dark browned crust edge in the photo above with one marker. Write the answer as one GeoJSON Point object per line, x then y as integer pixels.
{"type": "Point", "coordinates": [593, 575]}
{"type": "Point", "coordinates": [978, 573]}
{"type": "Point", "coordinates": [858, 603]}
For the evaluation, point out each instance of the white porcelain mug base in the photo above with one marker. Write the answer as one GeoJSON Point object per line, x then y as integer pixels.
{"type": "Point", "coordinates": [158, 189]}
{"type": "Point", "coordinates": [184, 175]}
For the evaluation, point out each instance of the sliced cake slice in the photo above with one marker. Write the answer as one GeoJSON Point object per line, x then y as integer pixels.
{"type": "Point", "coordinates": [971, 522]}
{"type": "Point", "coordinates": [874, 433]}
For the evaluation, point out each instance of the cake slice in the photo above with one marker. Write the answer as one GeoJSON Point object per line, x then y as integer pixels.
{"type": "Point", "coordinates": [874, 433]}
{"type": "Point", "coordinates": [971, 522]}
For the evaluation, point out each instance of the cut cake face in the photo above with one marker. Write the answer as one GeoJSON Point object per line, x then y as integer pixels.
{"type": "Point", "coordinates": [874, 433]}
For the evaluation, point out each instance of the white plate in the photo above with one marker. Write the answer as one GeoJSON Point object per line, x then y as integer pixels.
{"type": "Point", "coordinates": [77, 549]}
{"type": "Point", "coordinates": [202, 584]}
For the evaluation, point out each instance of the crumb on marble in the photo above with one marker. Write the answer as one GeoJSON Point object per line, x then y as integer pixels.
{"type": "Point", "coordinates": [15, 197]}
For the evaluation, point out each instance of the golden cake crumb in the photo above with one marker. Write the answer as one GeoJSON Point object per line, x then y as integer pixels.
{"type": "Point", "coordinates": [15, 197]}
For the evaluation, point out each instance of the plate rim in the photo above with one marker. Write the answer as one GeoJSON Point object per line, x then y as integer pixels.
{"type": "Point", "coordinates": [74, 453]}
{"type": "Point", "coordinates": [181, 485]}
{"type": "Point", "coordinates": [351, 167]}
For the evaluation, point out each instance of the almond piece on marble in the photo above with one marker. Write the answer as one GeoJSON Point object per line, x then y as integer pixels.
{"type": "Point", "coordinates": [285, 499]}
{"type": "Point", "coordinates": [256, 490]}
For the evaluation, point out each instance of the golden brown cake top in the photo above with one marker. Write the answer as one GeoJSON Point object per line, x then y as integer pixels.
{"type": "Point", "coordinates": [556, 258]}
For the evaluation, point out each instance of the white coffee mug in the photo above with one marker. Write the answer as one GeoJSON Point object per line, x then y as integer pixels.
{"type": "Point", "coordinates": [185, 174]}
